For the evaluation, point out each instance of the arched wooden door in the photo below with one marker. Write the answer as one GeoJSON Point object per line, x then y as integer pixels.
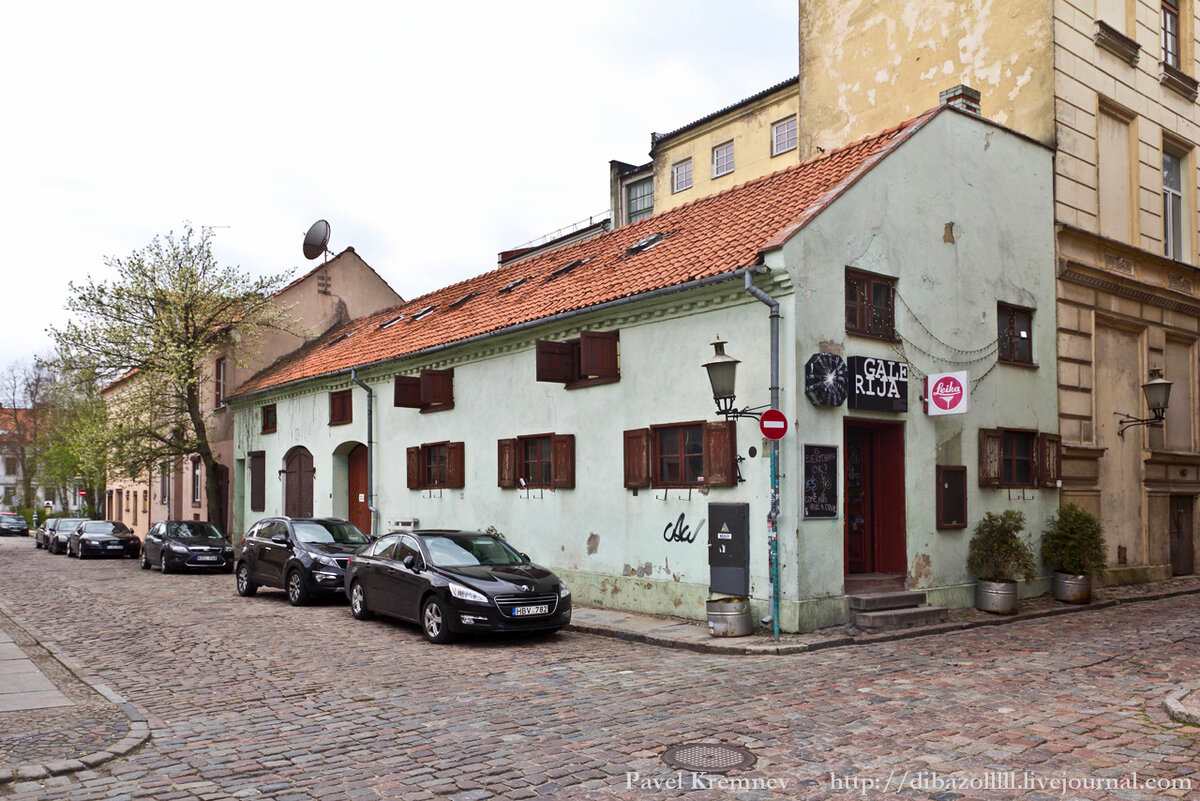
{"type": "Point", "coordinates": [356, 466]}
{"type": "Point", "coordinates": [298, 483]}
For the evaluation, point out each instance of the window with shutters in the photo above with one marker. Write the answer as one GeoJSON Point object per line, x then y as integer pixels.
{"type": "Point", "coordinates": [870, 305]}
{"type": "Point", "coordinates": [258, 481]}
{"type": "Point", "coordinates": [436, 465]}
{"type": "Point", "coordinates": [1015, 458]}
{"type": "Point", "coordinates": [594, 358]}
{"type": "Point", "coordinates": [431, 391]}
{"type": "Point", "coordinates": [341, 408]}
{"type": "Point", "coordinates": [539, 461]}
{"type": "Point", "coordinates": [219, 383]}
{"type": "Point", "coordinates": [698, 454]}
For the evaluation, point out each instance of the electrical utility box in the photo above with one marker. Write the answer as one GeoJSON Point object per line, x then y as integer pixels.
{"type": "Point", "coordinates": [729, 549]}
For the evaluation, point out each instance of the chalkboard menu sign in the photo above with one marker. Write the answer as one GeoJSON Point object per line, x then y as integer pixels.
{"type": "Point", "coordinates": [820, 481]}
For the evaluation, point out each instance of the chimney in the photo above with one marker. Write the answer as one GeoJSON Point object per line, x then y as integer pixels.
{"type": "Point", "coordinates": [961, 97]}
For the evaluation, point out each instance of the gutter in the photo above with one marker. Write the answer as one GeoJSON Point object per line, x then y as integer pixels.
{"type": "Point", "coordinates": [370, 452]}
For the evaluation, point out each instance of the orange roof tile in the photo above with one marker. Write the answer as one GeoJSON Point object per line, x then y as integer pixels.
{"type": "Point", "coordinates": [710, 237]}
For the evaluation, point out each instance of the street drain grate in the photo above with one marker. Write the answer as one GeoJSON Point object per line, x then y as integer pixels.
{"type": "Point", "coordinates": [708, 757]}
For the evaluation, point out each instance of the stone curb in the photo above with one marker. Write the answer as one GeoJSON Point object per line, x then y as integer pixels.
{"type": "Point", "coordinates": [139, 725]}
{"type": "Point", "coordinates": [726, 648]}
{"type": "Point", "coordinates": [1175, 707]}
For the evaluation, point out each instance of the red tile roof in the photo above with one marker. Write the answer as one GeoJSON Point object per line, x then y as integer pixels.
{"type": "Point", "coordinates": [710, 237]}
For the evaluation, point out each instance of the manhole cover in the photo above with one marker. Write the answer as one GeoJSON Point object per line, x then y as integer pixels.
{"type": "Point", "coordinates": [708, 757]}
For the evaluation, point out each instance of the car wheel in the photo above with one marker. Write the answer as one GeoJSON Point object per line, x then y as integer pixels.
{"type": "Point", "coordinates": [358, 602]}
{"type": "Point", "coordinates": [37, 543]}
{"type": "Point", "coordinates": [296, 591]}
{"type": "Point", "coordinates": [69, 554]}
{"type": "Point", "coordinates": [245, 587]}
{"type": "Point", "coordinates": [162, 563]}
{"type": "Point", "coordinates": [433, 621]}
{"type": "Point", "coordinates": [79, 551]}
{"type": "Point", "coordinates": [144, 561]}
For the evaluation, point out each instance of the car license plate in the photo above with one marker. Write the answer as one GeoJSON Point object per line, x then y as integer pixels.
{"type": "Point", "coordinates": [114, 547]}
{"type": "Point", "coordinates": [541, 609]}
{"type": "Point", "coordinates": [207, 558]}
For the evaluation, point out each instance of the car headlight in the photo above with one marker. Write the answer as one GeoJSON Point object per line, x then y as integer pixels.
{"type": "Point", "coordinates": [467, 594]}
{"type": "Point", "coordinates": [178, 547]}
{"type": "Point", "coordinates": [328, 561]}
{"type": "Point", "coordinates": [563, 589]}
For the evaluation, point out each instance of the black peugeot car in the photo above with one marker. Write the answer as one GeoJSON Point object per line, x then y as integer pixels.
{"type": "Point", "coordinates": [103, 538]}
{"type": "Point", "coordinates": [303, 556]}
{"type": "Point", "coordinates": [186, 545]}
{"type": "Point", "coordinates": [451, 582]}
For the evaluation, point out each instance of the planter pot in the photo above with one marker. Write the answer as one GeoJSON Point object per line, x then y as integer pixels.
{"type": "Point", "coordinates": [1072, 589]}
{"type": "Point", "coordinates": [730, 617]}
{"type": "Point", "coordinates": [997, 597]}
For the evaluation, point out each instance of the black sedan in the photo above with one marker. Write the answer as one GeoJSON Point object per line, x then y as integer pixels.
{"type": "Point", "coordinates": [103, 538]}
{"type": "Point", "coordinates": [58, 531]}
{"type": "Point", "coordinates": [304, 556]}
{"type": "Point", "coordinates": [452, 582]}
{"type": "Point", "coordinates": [13, 524]}
{"type": "Point", "coordinates": [178, 545]}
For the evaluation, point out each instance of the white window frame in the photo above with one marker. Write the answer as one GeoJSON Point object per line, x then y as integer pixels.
{"type": "Point", "coordinates": [646, 184]}
{"type": "Point", "coordinates": [1175, 231]}
{"type": "Point", "coordinates": [197, 481]}
{"type": "Point", "coordinates": [1171, 34]}
{"type": "Point", "coordinates": [722, 159]}
{"type": "Point", "coordinates": [681, 176]}
{"type": "Point", "coordinates": [784, 130]}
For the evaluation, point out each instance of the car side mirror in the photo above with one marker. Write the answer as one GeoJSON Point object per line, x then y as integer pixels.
{"type": "Point", "coordinates": [280, 539]}
{"type": "Point", "coordinates": [524, 557]}
{"type": "Point", "coordinates": [410, 562]}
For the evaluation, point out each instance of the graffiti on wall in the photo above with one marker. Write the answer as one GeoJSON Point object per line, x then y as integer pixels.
{"type": "Point", "coordinates": [679, 531]}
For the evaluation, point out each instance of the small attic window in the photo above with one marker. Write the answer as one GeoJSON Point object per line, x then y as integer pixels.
{"type": "Point", "coordinates": [464, 300]}
{"type": "Point", "coordinates": [566, 268]}
{"type": "Point", "coordinates": [425, 312]}
{"type": "Point", "coordinates": [336, 340]}
{"type": "Point", "coordinates": [513, 285]}
{"type": "Point", "coordinates": [644, 244]}
{"type": "Point", "coordinates": [391, 322]}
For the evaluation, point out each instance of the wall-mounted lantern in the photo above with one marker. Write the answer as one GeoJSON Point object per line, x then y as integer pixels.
{"type": "Point", "coordinates": [1158, 395]}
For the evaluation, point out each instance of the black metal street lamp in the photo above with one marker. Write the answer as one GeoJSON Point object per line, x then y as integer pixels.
{"type": "Point", "coordinates": [1158, 395]}
{"type": "Point", "coordinates": [722, 374]}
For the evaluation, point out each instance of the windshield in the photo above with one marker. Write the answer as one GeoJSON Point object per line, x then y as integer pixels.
{"type": "Point", "coordinates": [105, 527]}
{"type": "Point", "coordinates": [464, 550]}
{"type": "Point", "coordinates": [9, 517]}
{"type": "Point", "coordinates": [204, 531]}
{"type": "Point", "coordinates": [69, 523]}
{"type": "Point", "coordinates": [319, 531]}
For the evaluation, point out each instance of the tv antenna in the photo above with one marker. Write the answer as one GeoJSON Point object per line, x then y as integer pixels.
{"type": "Point", "coordinates": [316, 239]}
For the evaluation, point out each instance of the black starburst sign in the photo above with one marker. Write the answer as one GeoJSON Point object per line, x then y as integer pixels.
{"type": "Point", "coordinates": [825, 379]}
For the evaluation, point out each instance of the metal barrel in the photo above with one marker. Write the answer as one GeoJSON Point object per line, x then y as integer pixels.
{"type": "Point", "coordinates": [730, 617]}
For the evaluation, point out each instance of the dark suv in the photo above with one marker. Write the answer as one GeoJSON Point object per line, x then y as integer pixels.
{"type": "Point", "coordinates": [302, 556]}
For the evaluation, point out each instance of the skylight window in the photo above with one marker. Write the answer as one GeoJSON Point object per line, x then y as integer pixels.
{"type": "Point", "coordinates": [566, 268]}
{"type": "Point", "coordinates": [425, 312]}
{"type": "Point", "coordinates": [336, 340]}
{"type": "Point", "coordinates": [464, 300]}
{"type": "Point", "coordinates": [644, 244]}
{"type": "Point", "coordinates": [514, 285]}
{"type": "Point", "coordinates": [391, 322]}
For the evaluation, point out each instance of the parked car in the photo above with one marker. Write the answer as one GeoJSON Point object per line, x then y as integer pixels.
{"type": "Point", "coordinates": [451, 582]}
{"type": "Point", "coordinates": [303, 556]}
{"type": "Point", "coordinates": [56, 536]}
{"type": "Point", "coordinates": [13, 524]}
{"type": "Point", "coordinates": [186, 545]}
{"type": "Point", "coordinates": [103, 538]}
{"type": "Point", "coordinates": [41, 535]}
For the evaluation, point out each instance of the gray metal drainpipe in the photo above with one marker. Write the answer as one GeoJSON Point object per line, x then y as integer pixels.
{"type": "Point", "coordinates": [374, 532]}
{"type": "Point", "coordinates": [773, 515]}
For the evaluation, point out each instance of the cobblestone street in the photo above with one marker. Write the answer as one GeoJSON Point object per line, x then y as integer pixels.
{"type": "Point", "coordinates": [251, 698]}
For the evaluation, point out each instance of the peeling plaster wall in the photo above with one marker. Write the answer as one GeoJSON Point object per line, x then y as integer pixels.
{"type": "Point", "coordinates": [866, 65]}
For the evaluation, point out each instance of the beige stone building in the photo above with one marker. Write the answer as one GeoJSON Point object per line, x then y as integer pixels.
{"type": "Point", "coordinates": [1109, 84]}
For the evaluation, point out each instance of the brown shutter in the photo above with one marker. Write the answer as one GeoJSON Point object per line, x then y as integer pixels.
{"type": "Point", "coordinates": [553, 361]}
{"type": "Point", "coordinates": [598, 354]}
{"type": "Point", "coordinates": [258, 481]}
{"type": "Point", "coordinates": [414, 468]}
{"type": "Point", "coordinates": [563, 453]}
{"type": "Point", "coordinates": [991, 449]}
{"type": "Point", "coordinates": [506, 463]}
{"type": "Point", "coordinates": [437, 388]}
{"type": "Point", "coordinates": [637, 458]}
{"type": "Point", "coordinates": [341, 407]}
{"type": "Point", "coordinates": [720, 454]}
{"type": "Point", "coordinates": [456, 465]}
{"type": "Point", "coordinates": [408, 392]}
{"type": "Point", "coordinates": [1049, 447]}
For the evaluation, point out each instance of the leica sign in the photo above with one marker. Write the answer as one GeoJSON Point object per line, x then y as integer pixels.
{"type": "Point", "coordinates": [948, 393]}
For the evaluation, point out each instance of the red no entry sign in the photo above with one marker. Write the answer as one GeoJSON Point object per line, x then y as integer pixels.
{"type": "Point", "coordinates": [773, 424]}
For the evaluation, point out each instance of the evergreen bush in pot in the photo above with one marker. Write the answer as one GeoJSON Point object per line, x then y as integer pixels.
{"type": "Point", "coordinates": [1073, 546]}
{"type": "Point", "coordinates": [997, 557]}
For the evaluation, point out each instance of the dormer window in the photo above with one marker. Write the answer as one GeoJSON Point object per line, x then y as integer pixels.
{"type": "Point", "coordinates": [431, 391]}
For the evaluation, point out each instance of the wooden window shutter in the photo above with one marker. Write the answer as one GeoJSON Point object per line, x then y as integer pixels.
{"type": "Point", "coordinates": [341, 407]}
{"type": "Point", "coordinates": [562, 451]}
{"type": "Point", "coordinates": [598, 354]}
{"type": "Point", "coordinates": [991, 451]}
{"type": "Point", "coordinates": [437, 388]}
{"type": "Point", "coordinates": [408, 392]}
{"type": "Point", "coordinates": [258, 481]}
{"type": "Point", "coordinates": [414, 467]}
{"type": "Point", "coordinates": [506, 463]}
{"type": "Point", "coordinates": [456, 465]}
{"type": "Point", "coordinates": [720, 454]}
{"type": "Point", "coordinates": [1049, 459]}
{"type": "Point", "coordinates": [637, 458]}
{"type": "Point", "coordinates": [553, 361]}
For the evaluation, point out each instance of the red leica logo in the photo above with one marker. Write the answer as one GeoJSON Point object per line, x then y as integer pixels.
{"type": "Point", "coordinates": [947, 392]}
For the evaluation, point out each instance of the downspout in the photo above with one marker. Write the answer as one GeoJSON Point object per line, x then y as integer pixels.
{"type": "Point", "coordinates": [773, 515]}
{"type": "Point", "coordinates": [370, 452]}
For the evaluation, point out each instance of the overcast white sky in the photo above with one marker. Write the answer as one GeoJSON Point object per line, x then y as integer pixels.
{"type": "Point", "coordinates": [431, 136]}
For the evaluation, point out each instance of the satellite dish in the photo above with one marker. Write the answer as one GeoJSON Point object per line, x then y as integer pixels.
{"type": "Point", "coordinates": [316, 239]}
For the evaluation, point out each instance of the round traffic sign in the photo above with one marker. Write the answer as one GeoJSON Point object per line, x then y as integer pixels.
{"type": "Point", "coordinates": [773, 424]}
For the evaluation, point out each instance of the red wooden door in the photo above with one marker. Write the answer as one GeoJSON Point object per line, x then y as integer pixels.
{"type": "Point", "coordinates": [298, 477]}
{"type": "Point", "coordinates": [356, 465]}
{"type": "Point", "coordinates": [875, 499]}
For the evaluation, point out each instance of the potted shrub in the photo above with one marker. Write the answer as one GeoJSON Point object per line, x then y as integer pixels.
{"type": "Point", "coordinates": [997, 557]}
{"type": "Point", "coordinates": [1073, 547]}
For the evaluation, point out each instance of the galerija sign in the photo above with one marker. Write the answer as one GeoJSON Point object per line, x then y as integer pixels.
{"type": "Point", "coordinates": [878, 385]}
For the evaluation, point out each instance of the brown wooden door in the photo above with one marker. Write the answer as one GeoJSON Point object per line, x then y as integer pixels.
{"type": "Point", "coordinates": [356, 465]}
{"type": "Point", "coordinates": [875, 539]}
{"type": "Point", "coordinates": [298, 478]}
{"type": "Point", "coordinates": [860, 524]}
{"type": "Point", "coordinates": [1183, 555]}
